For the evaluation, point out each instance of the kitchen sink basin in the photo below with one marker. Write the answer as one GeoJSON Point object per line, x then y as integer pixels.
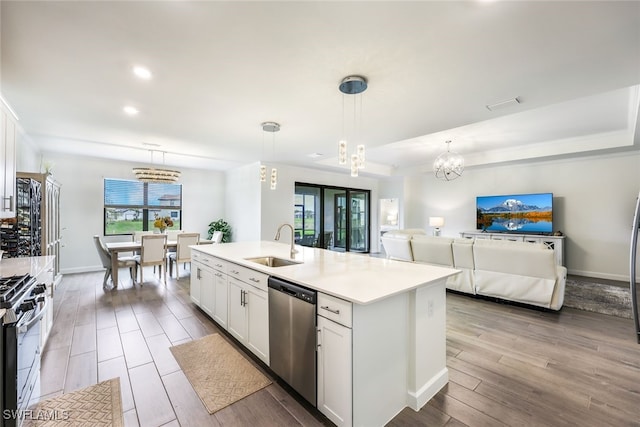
{"type": "Point", "coordinates": [272, 261]}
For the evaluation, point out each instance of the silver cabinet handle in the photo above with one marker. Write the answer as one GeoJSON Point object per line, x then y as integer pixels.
{"type": "Point", "coordinates": [234, 272]}
{"type": "Point", "coordinates": [4, 204]}
{"type": "Point", "coordinates": [219, 265]}
{"type": "Point", "coordinates": [218, 274]}
{"type": "Point", "coordinates": [326, 307]}
{"type": "Point", "coordinates": [318, 335]}
{"type": "Point", "coordinates": [253, 279]}
{"type": "Point", "coordinates": [198, 273]}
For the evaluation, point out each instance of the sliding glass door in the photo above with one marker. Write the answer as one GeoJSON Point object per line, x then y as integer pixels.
{"type": "Point", "coordinates": [343, 224]}
{"type": "Point", "coordinates": [359, 224]}
{"type": "Point", "coordinates": [307, 215]}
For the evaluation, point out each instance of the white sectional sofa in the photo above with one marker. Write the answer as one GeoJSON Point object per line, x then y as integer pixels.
{"type": "Point", "coordinates": [516, 271]}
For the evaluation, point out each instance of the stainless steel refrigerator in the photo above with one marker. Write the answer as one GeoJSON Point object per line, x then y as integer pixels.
{"type": "Point", "coordinates": [635, 292]}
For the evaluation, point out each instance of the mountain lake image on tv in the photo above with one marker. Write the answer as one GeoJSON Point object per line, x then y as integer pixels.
{"type": "Point", "coordinates": [515, 213]}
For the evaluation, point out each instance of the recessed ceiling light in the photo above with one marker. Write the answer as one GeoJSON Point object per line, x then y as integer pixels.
{"type": "Point", "coordinates": [142, 72]}
{"type": "Point", "coordinates": [315, 155]}
{"type": "Point", "coordinates": [132, 111]}
{"type": "Point", "coordinates": [150, 144]}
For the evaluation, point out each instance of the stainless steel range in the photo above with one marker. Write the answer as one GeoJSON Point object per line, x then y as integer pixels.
{"type": "Point", "coordinates": [25, 302]}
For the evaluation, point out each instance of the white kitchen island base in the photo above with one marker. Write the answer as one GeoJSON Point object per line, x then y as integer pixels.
{"type": "Point", "coordinates": [381, 324]}
{"type": "Point", "coordinates": [399, 353]}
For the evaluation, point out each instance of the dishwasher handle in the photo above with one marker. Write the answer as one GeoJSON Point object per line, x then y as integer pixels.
{"type": "Point", "coordinates": [287, 291]}
{"type": "Point", "coordinates": [293, 290]}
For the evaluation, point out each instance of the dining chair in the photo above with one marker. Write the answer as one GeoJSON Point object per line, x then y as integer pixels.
{"type": "Point", "coordinates": [173, 234]}
{"type": "Point", "coordinates": [183, 251]}
{"type": "Point", "coordinates": [137, 235]}
{"type": "Point", "coordinates": [153, 252]}
{"type": "Point", "coordinates": [105, 256]}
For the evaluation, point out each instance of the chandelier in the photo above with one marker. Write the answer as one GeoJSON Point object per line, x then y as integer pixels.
{"type": "Point", "coordinates": [152, 174]}
{"type": "Point", "coordinates": [352, 85]}
{"type": "Point", "coordinates": [448, 165]}
{"type": "Point", "coordinates": [272, 127]}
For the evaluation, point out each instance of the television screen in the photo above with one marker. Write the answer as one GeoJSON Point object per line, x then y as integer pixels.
{"type": "Point", "coordinates": [515, 213]}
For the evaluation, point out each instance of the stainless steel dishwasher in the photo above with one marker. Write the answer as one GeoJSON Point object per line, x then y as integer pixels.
{"type": "Point", "coordinates": [292, 336]}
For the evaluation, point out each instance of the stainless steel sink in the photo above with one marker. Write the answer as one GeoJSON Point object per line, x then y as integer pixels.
{"type": "Point", "coordinates": [272, 261]}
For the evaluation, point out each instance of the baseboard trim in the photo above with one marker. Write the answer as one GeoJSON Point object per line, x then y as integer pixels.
{"type": "Point", "coordinates": [420, 398]}
{"type": "Point", "coordinates": [596, 275]}
{"type": "Point", "coordinates": [89, 269]}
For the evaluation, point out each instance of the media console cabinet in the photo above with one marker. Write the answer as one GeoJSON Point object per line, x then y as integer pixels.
{"type": "Point", "coordinates": [556, 243]}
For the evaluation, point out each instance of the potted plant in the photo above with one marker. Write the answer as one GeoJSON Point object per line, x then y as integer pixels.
{"type": "Point", "coordinates": [220, 225]}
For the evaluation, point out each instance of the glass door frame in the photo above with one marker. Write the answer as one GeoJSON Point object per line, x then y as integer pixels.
{"type": "Point", "coordinates": [347, 194]}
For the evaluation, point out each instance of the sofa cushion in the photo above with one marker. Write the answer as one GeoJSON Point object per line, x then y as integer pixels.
{"type": "Point", "coordinates": [463, 253]}
{"type": "Point", "coordinates": [432, 250]}
{"type": "Point", "coordinates": [397, 246]}
{"type": "Point", "coordinates": [525, 289]}
{"type": "Point", "coordinates": [515, 272]}
{"type": "Point", "coordinates": [515, 259]}
{"type": "Point", "coordinates": [463, 281]}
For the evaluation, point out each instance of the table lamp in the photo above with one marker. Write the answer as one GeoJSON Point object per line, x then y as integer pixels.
{"type": "Point", "coordinates": [436, 222]}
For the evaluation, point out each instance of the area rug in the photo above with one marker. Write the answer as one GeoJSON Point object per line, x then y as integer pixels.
{"type": "Point", "coordinates": [585, 294]}
{"type": "Point", "coordinates": [219, 374]}
{"type": "Point", "coordinates": [99, 405]}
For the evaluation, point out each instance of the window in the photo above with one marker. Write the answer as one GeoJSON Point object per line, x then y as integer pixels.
{"type": "Point", "coordinates": [131, 206]}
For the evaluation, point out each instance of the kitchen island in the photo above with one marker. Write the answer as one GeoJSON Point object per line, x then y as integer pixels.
{"type": "Point", "coordinates": [392, 312]}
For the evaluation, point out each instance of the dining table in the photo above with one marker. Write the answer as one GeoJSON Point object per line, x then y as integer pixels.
{"type": "Point", "coordinates": [117, 247]}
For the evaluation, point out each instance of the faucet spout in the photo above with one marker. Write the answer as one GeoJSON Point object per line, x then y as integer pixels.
{"type": "Point", "coordinates": [294, 251]}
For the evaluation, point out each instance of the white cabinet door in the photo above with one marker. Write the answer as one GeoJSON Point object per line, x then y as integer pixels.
{"type": "Point", "coordinates": [237, 310]}
{"type": "Point", "coordinates": [207, 291]}
{"type": "Point", "coordinates": [221, 295]}
{"type": "Point", "coordinates": [334, 371]}
{"type": "Point", "coordinates": [46, 277]}
{"type": "Point", "coordinates": [195, 282]}
{"type": "Point", "coordinates": [258, 323]}
{"type": "Point", "coordinates": [7, 165]}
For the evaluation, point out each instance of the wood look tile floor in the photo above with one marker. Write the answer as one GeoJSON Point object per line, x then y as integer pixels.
{"type": "Point", "coordinates": [508, 365]}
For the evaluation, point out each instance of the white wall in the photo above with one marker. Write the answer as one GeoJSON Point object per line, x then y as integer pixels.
{"type": "Point", "coordinates": [242, 202]}
{"type": "Point", "coordinates": [593, 204]}
{"type": "Point", "coordinates": [82, 202]}
{"type": "Point", "coordinates": [28, 157]}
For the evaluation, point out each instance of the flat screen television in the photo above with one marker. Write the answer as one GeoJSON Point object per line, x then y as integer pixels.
{"type": "Point", "coordinates": [515, 213]}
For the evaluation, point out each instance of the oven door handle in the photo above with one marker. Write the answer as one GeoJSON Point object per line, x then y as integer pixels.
{"type": "Point", "coordinates": [25, 327]}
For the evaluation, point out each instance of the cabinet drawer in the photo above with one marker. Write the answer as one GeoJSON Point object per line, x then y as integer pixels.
{"type": "Point", "coordinates": [247, 275]}
{"type": "Point", "coordinates": [335, 309]}
{"type": "Point", "coordinates": [220, 265]}
{"type": "Point", "coordinates": [202, 258]}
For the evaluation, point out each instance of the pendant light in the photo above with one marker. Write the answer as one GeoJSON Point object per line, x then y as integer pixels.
{"type": "Point", "coordinates": [352, 85]}
{"type": "Point", "coordinates": [153, 174]}
{"type": "Point", "coordinates": [271, 127]}
{"type": "Point", "coordinates": [448, 165]}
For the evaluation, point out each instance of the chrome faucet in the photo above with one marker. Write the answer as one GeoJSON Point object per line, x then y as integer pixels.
{"type": "Point", "coordinates": [294, 251]}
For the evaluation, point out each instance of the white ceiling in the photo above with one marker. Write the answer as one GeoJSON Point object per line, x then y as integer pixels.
{"type": "Point", "coordinates": [222, 68]}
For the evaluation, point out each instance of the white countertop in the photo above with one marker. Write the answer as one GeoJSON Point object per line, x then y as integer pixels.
{"type": "Point", "coordinates": [359, 278]}
{"type": "Point", "coordinates": [20, 266]}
